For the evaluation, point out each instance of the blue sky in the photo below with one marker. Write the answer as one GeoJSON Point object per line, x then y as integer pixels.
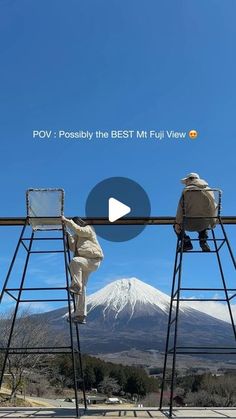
{"type": "Point", "coordinates": [117, 64]}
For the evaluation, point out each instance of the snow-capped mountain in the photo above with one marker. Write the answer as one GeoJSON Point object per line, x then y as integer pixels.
{"type": "Point", "coordinates": [128, 314]}
{"type": "Point", "coordinates": [130, 296]}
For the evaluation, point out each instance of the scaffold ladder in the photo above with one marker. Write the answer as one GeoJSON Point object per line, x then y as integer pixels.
{"type": "Point", "coordinates": [172, 349]}
{"type": "Point", "coordinates": [16, 294]}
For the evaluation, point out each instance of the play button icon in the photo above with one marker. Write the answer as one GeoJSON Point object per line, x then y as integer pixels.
{"type": "Point", "coordinates": [116, 199]}
{"type": "Point", "coordinates": [117, 210]}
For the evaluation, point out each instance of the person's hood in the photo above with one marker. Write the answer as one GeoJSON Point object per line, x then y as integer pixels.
{"type": "Point", "coordinates": [200, 183]}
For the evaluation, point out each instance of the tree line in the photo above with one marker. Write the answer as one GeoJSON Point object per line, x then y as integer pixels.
{"type": "Point", "coordinates": [107, 377]}
{"type": "Point", "coordinates": [208, 389]}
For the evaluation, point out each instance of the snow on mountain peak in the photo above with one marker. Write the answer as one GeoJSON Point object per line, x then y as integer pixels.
{"type": "Point", "coordinates": [128, 292]}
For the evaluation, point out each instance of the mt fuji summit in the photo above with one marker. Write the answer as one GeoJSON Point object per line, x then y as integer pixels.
{"type": "Point", "coordinates": [127, 299]}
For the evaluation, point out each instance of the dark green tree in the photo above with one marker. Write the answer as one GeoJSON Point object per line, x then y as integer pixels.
{"type": "Point", "coordinates": [109, 386]}
{"type": "Point", "coordinates": [136, 384]}
{"type": "Point", "coordinates": [119, 375]}
{"type": "Point", "coordinates": [89, 377]}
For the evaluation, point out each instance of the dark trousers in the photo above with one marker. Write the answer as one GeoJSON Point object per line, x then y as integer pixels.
{"type": "Point", "coordinates": [202, 235]}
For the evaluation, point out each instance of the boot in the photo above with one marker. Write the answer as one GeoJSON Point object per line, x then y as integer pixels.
{"type": "Point", "coordinates": [204, 245]}
{"type": "Point", "coordinates": [187, 245]}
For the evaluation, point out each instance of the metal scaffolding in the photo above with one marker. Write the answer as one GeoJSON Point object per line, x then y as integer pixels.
{"type": "Point", "coordinates": [155, 220]}
{"type": "Point", "coordinates": [27, 243]}
{"type": "Point", "coordinates": [172, 348]}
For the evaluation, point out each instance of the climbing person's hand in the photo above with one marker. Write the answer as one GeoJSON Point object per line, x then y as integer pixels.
{"type": "Point", "coordinates": [63, 219]}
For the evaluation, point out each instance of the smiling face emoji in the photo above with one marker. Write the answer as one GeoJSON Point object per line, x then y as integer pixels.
{"type": "Point", "coordinates": [193, 134]}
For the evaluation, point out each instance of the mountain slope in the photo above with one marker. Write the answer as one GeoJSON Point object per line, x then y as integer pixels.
{"type": "Point", "coordinates": [131, 314]}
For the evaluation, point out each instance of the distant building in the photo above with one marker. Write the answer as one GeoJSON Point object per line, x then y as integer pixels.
{"type": "Point", "coordinates": [113, 400]}
{"type": "Point", "coordinates": [95, 399]}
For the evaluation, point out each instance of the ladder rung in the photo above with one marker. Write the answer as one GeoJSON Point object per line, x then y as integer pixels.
{"type": "Point", "coordinates": [209, 240]}
{"type": "Point", "coordinates": [189, 252]}
{"type": "Point", "coordinates": [42, 352]}
{"type": "Point", "coordinates": [206, 289]}
{"type": "Point", "coordinates": [42, 238]}
{"type": "Point", "coordinates": [200, 299]}
{"type": "Point", "coordinates": [46, 251]}
{"type": "Point", "coordinates": [233, 352]}
{"type": "Point", "coordinates": [44, 301]}
{"type": "Point", "coordinates": [33, 348]}
{"type": "Point", "coordinates": [230, 348]}
{"type": "Point", "coordinates": [37, 289]}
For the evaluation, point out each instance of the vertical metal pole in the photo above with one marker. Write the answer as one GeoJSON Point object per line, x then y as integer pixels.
{"type": "Point", "coordinates": [70, 322]}
{"type": "Point", "coordinates": [16, 307]}
{"type": "Point", "coordinates": [227, 242]}
{"type": "Point", "coordinates": [176, 331]}
{"type": "Point", "coordinates": [81, 367]}
{"type": "Point", "coordinates": [13, 260]}
{"type": "Point", "coordinates": [224, 283]}
{"type": "Point", "coordinates": [78, 343]}
{"type": "Point", "coordinates": [176, 325]}
{"type": "Point", "coordinates": [169, 325]}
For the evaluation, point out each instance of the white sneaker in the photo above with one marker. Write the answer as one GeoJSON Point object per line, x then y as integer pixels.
{"type": "Point", "coordinates": [75, 289]}
{"type": "Point", "coordinates": [79, 319]}
{"type": "Point", "coordinates": [76, 318]}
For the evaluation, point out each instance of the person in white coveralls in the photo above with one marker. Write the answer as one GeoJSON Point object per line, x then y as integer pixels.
{"type": "Point", "coordinates": [87, 258]}
{"type": "Point", "coordinates": [197, 200]}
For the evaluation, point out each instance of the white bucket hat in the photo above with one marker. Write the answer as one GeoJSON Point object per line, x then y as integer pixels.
{"type": "Point", "coordinates": [190, 175]}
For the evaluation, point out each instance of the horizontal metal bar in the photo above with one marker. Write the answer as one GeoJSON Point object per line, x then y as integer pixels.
{"type": "Point", "coordinates": [44, 301]}
{"type": "Point", "coordinates": [17, 348]}
{"type": "Point", "coordinates": [205, 352]}
{"type": "Point", "coordinates": [199, 217]}
{"type": "Point", "coordinates": [37, 289]}
{"type": "Point", "coordinates": [156, 220]}
{"type": "Point", "coordinates": [189, 252]}
{"type": "Point", "coordinates": [43, 238]}
{"type": "Point", "coordinates": [200, 299]}
{"type": "Point", "coordinates": [207, 347]}
{"type": "Point", "coordinates": [46, 251]}
{"type": "Point", "coordinates": [11, 352]}
{"type": "Point", "coordinates": [209, 240]}
{"type": "Point", "coordinates": [207, 289]}
{"type": "Point", "coordinates": [47, 217]}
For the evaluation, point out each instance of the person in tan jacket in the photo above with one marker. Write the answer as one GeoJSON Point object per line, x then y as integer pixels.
{"type": "Point", "coordinates": [197, 200]}
{"type": "Point", "coordinates": [87, 258]}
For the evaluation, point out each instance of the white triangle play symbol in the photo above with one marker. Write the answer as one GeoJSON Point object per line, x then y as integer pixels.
{"type": "Point", "coordinates": [117, 209]}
